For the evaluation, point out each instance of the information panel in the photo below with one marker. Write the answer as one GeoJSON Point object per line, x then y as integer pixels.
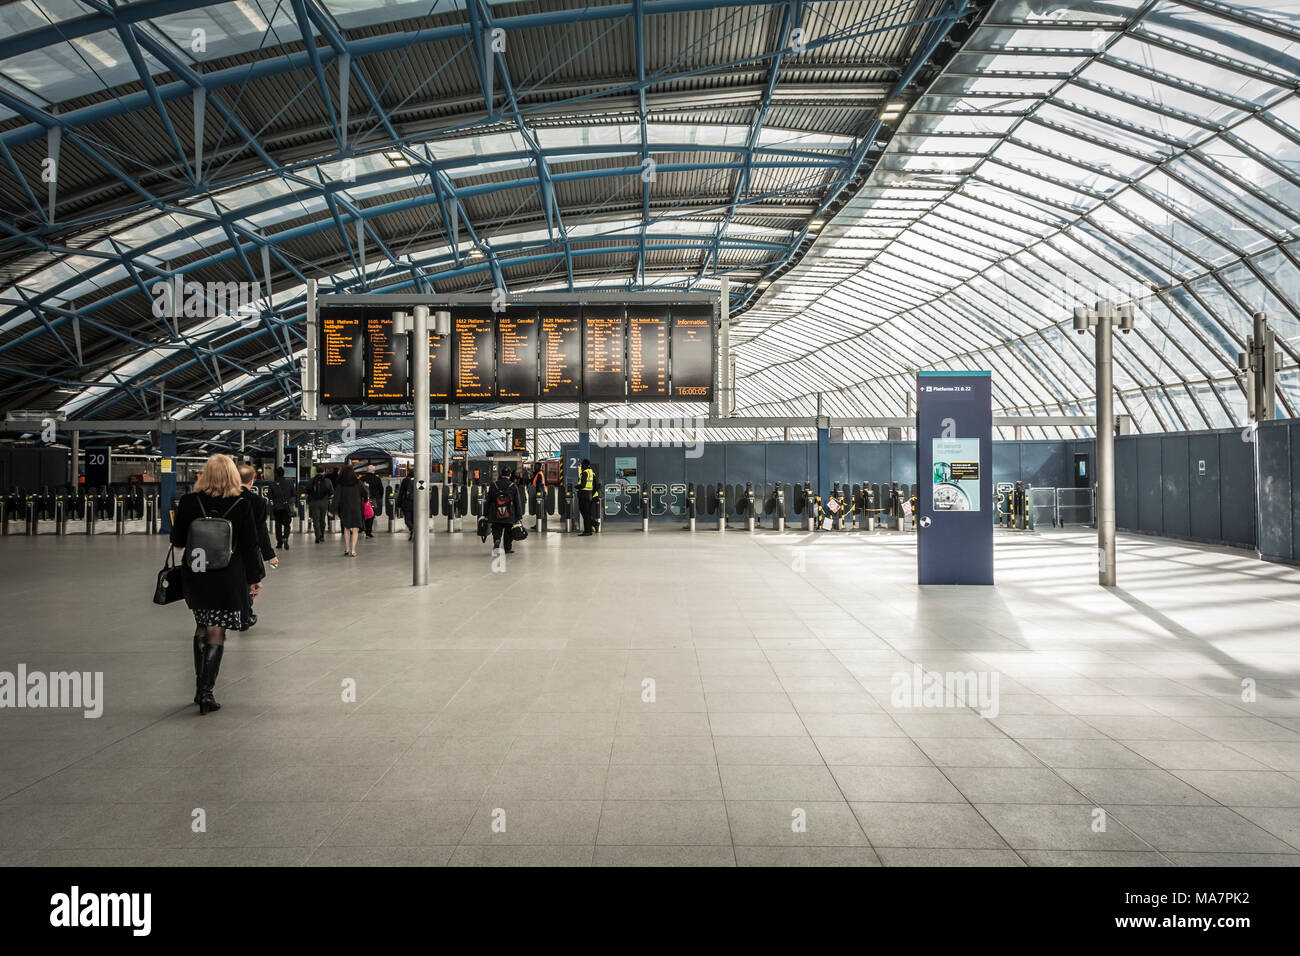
{"type": "Point", "coordinates": [603, 372]}
{"type": "Point", "coordinates": [954, 454]}
{"type": "Point", "coordinates": [439, 367]}
{"type": "Point", "coordinates": [647, 352]}
{"type": "Point", "coordinates": [342, 356]}
{"type": "Point", "coordinates": [692, 356]}
{"type": "Point", "coordinates": [517, 354]}
{"type": "Point", "coordinates": [474, 353]}
{"type": "Point", "coordinates": [561, 351]}
{"type": "Point", "coordinates": [387, 370]}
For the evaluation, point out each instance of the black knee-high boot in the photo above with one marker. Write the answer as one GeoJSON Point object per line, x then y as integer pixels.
{"type": "Point", "coordinates": [208, 679]}
{"type": "Point", "coordinates": [199, 644]}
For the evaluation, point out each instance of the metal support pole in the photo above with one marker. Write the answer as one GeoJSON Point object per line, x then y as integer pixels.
{"type": "Point", "coordinates": [1105, 446]}
{"type": "Point", "coordinates": [73, 458]}
{"type": "Point", "coordinates": [726, 404]}
{"type": "Point", "coordinates": [310, 373]}
{"type": "Point", "coordinates": [420, 361]}
{"type": "Point", "coordinates": [168, 481]}
{"type": "Point", "coordinates": [279, 453]}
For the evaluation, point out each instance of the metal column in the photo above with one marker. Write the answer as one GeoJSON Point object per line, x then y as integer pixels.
{"type": "Point", "coordinates": [279, 453]}
{"type": "Point", "coordinates": [168, 444]}
{"type": "Point", "coordinates": [74, 455]}
{"type": "Point", "coordinates": [420, 361]}
{"type": "Point", "coordinates": [1105, 446]}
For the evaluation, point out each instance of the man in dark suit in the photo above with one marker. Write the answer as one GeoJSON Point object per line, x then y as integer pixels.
{"type": "Point", "coordinates": [247, 475]}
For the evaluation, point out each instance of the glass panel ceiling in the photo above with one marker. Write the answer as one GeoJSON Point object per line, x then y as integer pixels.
{"type": "Point", "coordinates": [1150, 155]}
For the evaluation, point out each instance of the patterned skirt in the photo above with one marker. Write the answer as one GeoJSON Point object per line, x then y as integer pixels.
{"type": "Point", "coordinates": [230, 620]}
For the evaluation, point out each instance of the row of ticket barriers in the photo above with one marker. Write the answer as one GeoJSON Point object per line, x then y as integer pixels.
{"type": "Point", "coordinates": [135, 509]}
{"type": "Point", "coordinates": [124, 509]}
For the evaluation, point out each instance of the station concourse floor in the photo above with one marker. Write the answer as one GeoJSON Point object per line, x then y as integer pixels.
{"type": "Point", "coordinates": [516, 698]}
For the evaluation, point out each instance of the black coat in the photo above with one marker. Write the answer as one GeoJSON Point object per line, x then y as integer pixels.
{"type": "Point", "coordinates": [375, 488]}
{"type": "Point", "coordinates": [225, 589]}
{"type": "Point", "coordinates": [347, 505]}
{"type": "Point", "coordinates": [282, 494]}
{"type": "Point", "coordinates": [258, 504]}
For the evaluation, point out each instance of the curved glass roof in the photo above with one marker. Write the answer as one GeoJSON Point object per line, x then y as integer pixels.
{"type": "Point", "coordinates": [1145, 152]}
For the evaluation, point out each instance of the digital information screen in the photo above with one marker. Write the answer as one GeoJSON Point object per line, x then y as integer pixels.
{"type": "Point", "coordinates": [474, 354]}
{"type": "Point", "coordinates": [647, 352]}
{"type": "Point", "coordinates": [342, 356]}
{"type": "Point", "coordinates": [692, 359]}
{"type": "Point", "coordinates": [561, 345]}
{"type": "Point", "coordinates": [461, 439]}
{"type": "Point", "coordinates": [517, 354]}
{"type": "Point", "coordinates": [387, 369]}
{"type": "Point", "coordinates": [439, 367]}
{"type": "Point", "coordinates": [603, 375]}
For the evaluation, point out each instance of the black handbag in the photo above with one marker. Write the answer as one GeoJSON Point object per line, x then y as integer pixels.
{"type": "Point", "coordinates": [168, 587]}
{"type": "Point", "coordinates": [518, 533]}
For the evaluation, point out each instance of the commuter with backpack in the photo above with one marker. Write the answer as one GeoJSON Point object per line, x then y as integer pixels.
{"type": "Point", "coordinates": [221, 569]}
{"type": "Point", "coordinates": [320, 492]}
{"type": "Point", "coordinates": [501, 507]}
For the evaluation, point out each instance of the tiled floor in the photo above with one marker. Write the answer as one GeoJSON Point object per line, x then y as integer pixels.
{"type": "Point", "coordinates": [669, 699]}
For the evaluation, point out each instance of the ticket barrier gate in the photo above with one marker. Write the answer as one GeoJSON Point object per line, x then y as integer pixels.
{"type": "Point", "coordinates": [566, 508]}
{"type": "Point", "coordinates": [780, 507]}
{"type": "Point", "coordinates": [690, 506]}
{"type": "Point", "coordinates": [455, 505]}
{"type": "Point", "coordinates": [747, 507]}
{"type": "Point", "coordinates": [645, 505]}
{"type": "Point", "coordinates": [718, 506]}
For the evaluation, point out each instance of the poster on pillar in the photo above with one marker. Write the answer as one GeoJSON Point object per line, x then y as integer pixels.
{"type": "Point", "coordinates": [954, 461]}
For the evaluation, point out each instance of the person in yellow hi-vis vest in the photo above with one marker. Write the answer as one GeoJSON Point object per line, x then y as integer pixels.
{"type": "Point", "coordinates": [586, 496]}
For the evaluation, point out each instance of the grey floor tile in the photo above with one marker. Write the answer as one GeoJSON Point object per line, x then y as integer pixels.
{"type": "Point", "coordinates": [806, 856]}
{"type": "Point", "coordinates": [767, 751]}
{"type": "Point", "coordinates": [1013, 785]}
{"type": "Point", "coordinates": [1198, 829]}
{"type": "Point", "coordinates": [900, 856]}
{"type": "Point", "coordinates": [664, 823]}
{"type": "Point", "coordinates": [795, 823]}
{"type": "Point", "coordinates": [1193, 755]}
{"type": "Point", "coordinates": [403, 856]}
{"type": "Point", "coordinates": [534, 823]}
{"type": "Point", "coordinates": [665, 856]}
{"type": "Point", "coordinates": [1245, 788]}
{"type": "Point", "coordinates": [895, 785]}
{"type": "Point", "coordinates": [504, 855]}
{"type": "Point", "coordinates": [1121, 786]}
{"type": "Point", "coordinates": [967, 752]}
{"type": "Point", "coordinates": [926, 826]}
{"type": "Point", "coordinates": [1060, 827]}
{"type": "Point", "coordinates": [808, 782]}
{"type": "Point", "coordinates": [403, 823]}
{"type": "Point", "coordinates": [659, 782]}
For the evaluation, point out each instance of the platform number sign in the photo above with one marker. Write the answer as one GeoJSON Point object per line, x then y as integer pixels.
{"type": "Point", "coordinates": [97, 462]}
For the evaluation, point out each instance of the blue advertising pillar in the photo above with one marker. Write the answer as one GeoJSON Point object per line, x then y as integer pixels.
{"type": "Point", "coordinates": [168, 480]}
{"type": "Point", "coordinates": [954, 475]}
{"type": "Point", "coordinates": [823, 462]}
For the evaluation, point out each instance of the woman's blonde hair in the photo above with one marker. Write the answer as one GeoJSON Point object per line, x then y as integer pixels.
{"type": "Point", "coordinates": [220, 478]}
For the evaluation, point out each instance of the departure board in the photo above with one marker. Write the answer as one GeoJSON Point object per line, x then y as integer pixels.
{"type": "Point", "coordinates": [692, 358]}
{"type": "Point", "coordinates": [474, 353]}
{"type": "Point", "coordinates": [561, 351]}
{"type": "Point", "coordinates": [439, 367]}
{"type": "Point", "coordinates": [342, 356]}
{"type": "Point", "coordinates": [387, 370]}
{"type": "Point", "coordinates": [517, 354]}
{"type": "Point", "coordinates": [603, 373]}
{"type": "Point", "coordinates": [647, 352]}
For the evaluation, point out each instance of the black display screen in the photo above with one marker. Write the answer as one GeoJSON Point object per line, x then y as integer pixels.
{"type": "Point", "coordinates": [692, 359]}
{"type": "Point", "coordinates": [342, 355]}
{"type": "Point", "coordinates": [439, 367]}
{"type": "Point", "coordinates": [387, 369]}
{"type": "Point", "coordinates": [647, 352]}
{"type": "Point", "coordinates": [517, 354]}
{"type": "Point", "coordinates": [603, 372]}
{"type": "Point", "coordinates": [561, 351]}
{"type": "Point", "coordinates": [474, 354]}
